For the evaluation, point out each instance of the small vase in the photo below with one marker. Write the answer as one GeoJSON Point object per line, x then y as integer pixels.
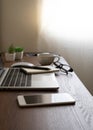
{"type": "Point", "coordinates": [19, 55]}
{"type": "Point", "coordinates": [10, 56]}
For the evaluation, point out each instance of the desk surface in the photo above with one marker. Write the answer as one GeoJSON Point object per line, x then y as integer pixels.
{"type": "Point", "coordinates": [72, 117]}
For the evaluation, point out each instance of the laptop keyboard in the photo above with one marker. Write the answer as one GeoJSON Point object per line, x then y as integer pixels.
{"type": "Point", "coordinates": [16, 78]}
{"type": "Point", "coordinates": [1, 71]}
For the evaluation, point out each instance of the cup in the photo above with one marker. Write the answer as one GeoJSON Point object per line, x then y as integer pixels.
{"type": "Point", "coordinates": [46, 58]}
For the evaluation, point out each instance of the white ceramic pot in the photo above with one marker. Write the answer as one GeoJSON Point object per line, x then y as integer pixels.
{"type": "Point", "coordinates": [10, 56]}
{"type": "Point", "coordinates": [19, 55]}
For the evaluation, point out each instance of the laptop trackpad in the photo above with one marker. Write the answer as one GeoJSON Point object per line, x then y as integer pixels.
{"type": "Point", "coordinates": [47, 80]}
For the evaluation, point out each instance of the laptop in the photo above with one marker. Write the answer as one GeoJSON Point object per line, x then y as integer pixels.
{"type": "Point", "coordinates": [15, 79]}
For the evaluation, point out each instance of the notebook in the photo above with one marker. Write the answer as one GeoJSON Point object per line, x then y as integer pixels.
{"type": "Point", "coordinates": [15, 79]}
{"type": "Point", "coordinates": [39, 71]}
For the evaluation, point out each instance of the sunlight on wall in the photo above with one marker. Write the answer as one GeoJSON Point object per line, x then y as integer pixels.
{"type": "Point", "coordinates": [68, 19]}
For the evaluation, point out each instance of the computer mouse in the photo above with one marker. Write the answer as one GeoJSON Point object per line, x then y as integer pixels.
{"type": "Point", "coordinates": [22, 64]}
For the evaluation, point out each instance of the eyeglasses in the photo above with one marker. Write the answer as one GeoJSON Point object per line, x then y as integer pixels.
{"type": "Point", "coordinates": [63, 67]}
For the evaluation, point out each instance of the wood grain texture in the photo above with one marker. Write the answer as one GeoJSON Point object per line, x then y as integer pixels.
{"type": "Point", "coordinates": [71, 117]}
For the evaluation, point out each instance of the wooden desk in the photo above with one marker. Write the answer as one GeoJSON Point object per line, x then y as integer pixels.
{"type": "Point", "coordinates": [72, 117]}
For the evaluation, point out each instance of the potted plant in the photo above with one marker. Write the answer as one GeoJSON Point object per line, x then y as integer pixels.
{"type": "Point", "coordinates": [10, 55]}
{"type": "Point", "coordinates": [19, 53]}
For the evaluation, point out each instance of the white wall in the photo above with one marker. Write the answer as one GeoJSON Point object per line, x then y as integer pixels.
{"type": "Point", "coordinates": [19, 24]}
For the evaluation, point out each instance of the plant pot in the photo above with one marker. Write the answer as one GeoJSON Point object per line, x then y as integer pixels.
{"type": "Point", "coordinates": [19, 55]}
{"type": "Point", "coordinates": [10, 56]}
